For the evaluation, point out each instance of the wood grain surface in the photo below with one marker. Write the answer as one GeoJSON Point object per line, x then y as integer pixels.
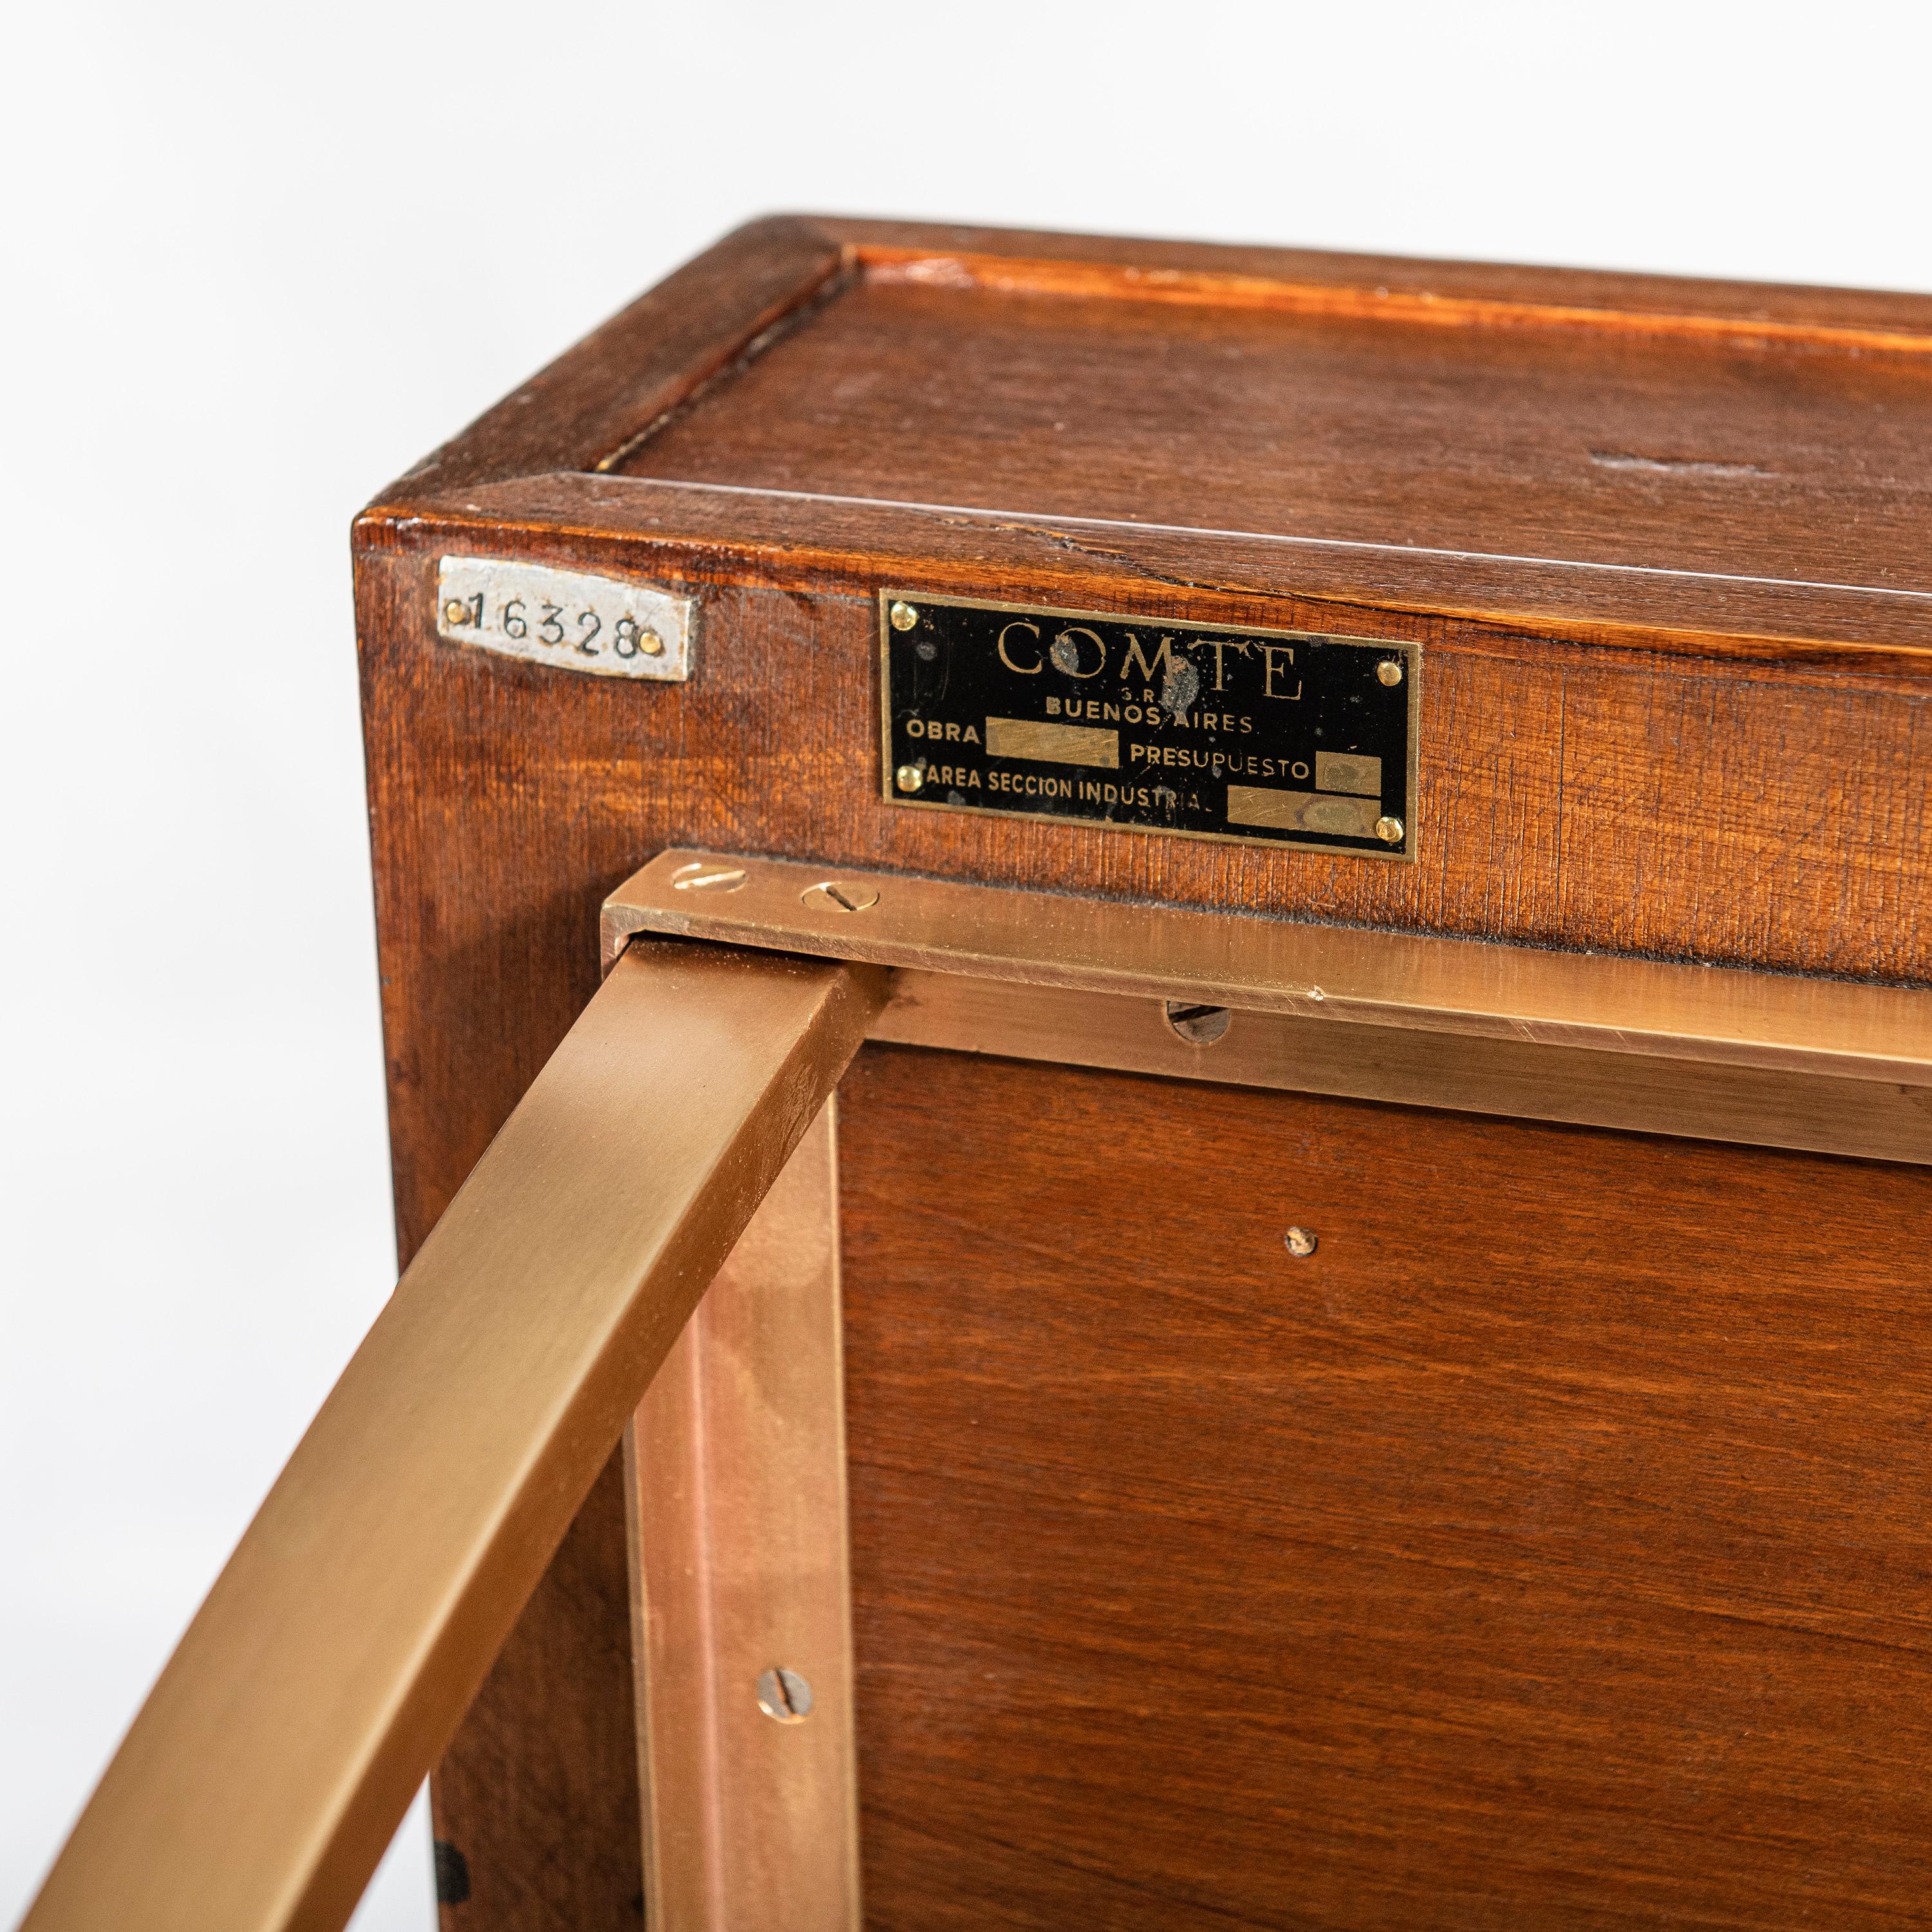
{"type": "Point", "coordinates": [1586, 801]}
{"type": "Point", "coordinates": [1654, 536]}
{"type": "Point", "coordinates": [963, 255]}
{"type": "Point", "coordinates": [1604, 448]}
{"type": "Point", "coordinates": [1635, 458]}
{"type": "Point", "coordinates": [1549, 1548]}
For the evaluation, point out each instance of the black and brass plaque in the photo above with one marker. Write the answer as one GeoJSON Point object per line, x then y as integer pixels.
{"type": "Point", "coordinates": [1275, 737]}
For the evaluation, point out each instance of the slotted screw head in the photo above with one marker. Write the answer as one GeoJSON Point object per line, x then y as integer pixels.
{"type": "Point", "coordinates": [1389, 671]}
{"type": "Point", "coordinates": [840, 895]}
{"type": "Point", "coordinates": [1299, 1241]}
{"type": "Point", "coordinates": [1198, 1025]}
{"type": "Point", "coordinates": [785, 1695]}
{"type": "Point", "coordinates": [910, 778]}
{"type": "Point", "coordinates": [904, 615]}
{"type": "Point", "coordinates": [1389, 831]}
{"type": "Point", "coordinates": [705, 875]}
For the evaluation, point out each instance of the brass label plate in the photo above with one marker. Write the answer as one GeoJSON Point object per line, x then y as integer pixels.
{"type": "Point", "coordinates": [1265, 737]}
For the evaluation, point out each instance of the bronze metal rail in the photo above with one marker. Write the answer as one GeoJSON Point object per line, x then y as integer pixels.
{"type": "Point", "coordinates": [1482, 989]}
{"type": "Point", "coordinates": [336, 1653]}
{"type": "Point", "coordinates": [1652, 1046]}
{"type": "Point", "coordinates": [334, 1658]}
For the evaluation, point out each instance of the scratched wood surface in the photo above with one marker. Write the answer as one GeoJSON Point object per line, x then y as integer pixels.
{"type": "Point", "coordinates": [1549, 1548]}
{"type": "Point", "coordinates": [1207, 418]}
{"type": "Point", "coordinates": [1599, 447]}
{"type": "Point", "coordinates": [1687, 726]}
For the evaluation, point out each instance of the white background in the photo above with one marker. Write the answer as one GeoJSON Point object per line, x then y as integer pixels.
{"type": "Point", "coordinates": [259, 258]}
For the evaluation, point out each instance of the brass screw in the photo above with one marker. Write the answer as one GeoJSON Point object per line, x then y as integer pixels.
{"type": "Point", "coordinates": [785, 1695]}
{"type": "Point", "coordinates": [844, 898]}
{"type": "Point", "coordinates": [910, 778]}
{"type": "Point", "coordinates": [650, 643]}
{"type": "Point", "coordinates": [1299, 1241]}
{"type": "Point", "coordinates": [1389, 671]}
{"type": "Point", "coordinates": [1389, 831]}
{"type": "Point", "coordinates": [454, 611]}
{"type": "Point", "coordinates": [904, 615]}
{"type": "Point", "coordinates": [705, 877]}
{"type": "Point", "coordinates": [1198, 1025]}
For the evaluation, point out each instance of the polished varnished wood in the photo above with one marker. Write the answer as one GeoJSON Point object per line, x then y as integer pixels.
{"type": "Point", "coordinates": [1535, 379]}
{"type": "Point", "coordinates": [1682, 724]}
{"type": "Point", "coordinates": [1567, 797]}
{"type": "Point", "coordinates": [1649, 723]}
{"type": "Point", "coordinates": [1550, 1547]}
{"type": "Point", "coordinates": [1621, 449]}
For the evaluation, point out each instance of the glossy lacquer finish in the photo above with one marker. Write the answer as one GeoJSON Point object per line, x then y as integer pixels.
{"type": "Point", "coordinates": [1549, 1547]}
{"type": "Point", "coordinates": [1657, 543]}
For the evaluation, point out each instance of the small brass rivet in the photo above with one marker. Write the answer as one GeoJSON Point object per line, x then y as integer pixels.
{"type": "Point", "coordinates": [454, 612]}
{"type": "Point", "coordinates": [1299, 1241]}
{"type": "Point", "coordinates": [910, 778]}
{"type": "Point", "coordinates": [785, 1695]}
{"type": "Point", "coordinates": [837, 894]}
{"type": "Point", "coordinates": [650, 643]}
{"type": "Point", "coordinates": [904, 616]}
{"type": "Point", "coordinates": [1389, 831]}
{"type": "Point", "coordinates": [1389, 671]}
{"type": "Point", "coordinates": [704, 877]}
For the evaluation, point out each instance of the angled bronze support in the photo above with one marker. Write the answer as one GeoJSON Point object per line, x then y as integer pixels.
{"type": "Point", "coordinates": [336, 1653]}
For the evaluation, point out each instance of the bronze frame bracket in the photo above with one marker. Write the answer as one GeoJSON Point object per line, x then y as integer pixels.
{"type": "Point", "coordinates": [1655, 1046]}
{"type": "Point", "coordinates": [752, 1828]}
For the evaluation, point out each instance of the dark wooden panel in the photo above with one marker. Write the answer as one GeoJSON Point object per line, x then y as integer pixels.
{"type": "Point", "coordinates": [1599, 800]}
{"type": "Point", "coordinates": [1509, 445]}
{"type": "Point", "coordinates": [1550, 1548]}
{"type": "Point", "coordinates": [536, 1801]}
{"type": "Point", "coordinates": [622, 377]}
{"type": "Point", "coordinates": [1711, 765]}
{"type": "Point", "coordinates": [1619, 447]}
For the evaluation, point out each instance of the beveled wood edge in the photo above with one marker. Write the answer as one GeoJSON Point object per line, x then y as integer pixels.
{"type": "Point", "coordinates": [1286, 293]}
{"type": "Point", "coordinates": [270, 1766]}
{"type": "Point", "coordinates": [600, 395]}
{"type": "Point", "coordinates": [669, 531]}
{"type": "Point", "coordinates": [554, 437]}
{"type": "Point", "coordinates": [583, 409]}
{"type": "Point", "coordinates": [1618, 296]}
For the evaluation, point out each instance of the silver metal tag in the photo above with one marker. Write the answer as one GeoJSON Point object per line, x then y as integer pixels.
{"type": "Point", "coordinates": [564, 618]}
